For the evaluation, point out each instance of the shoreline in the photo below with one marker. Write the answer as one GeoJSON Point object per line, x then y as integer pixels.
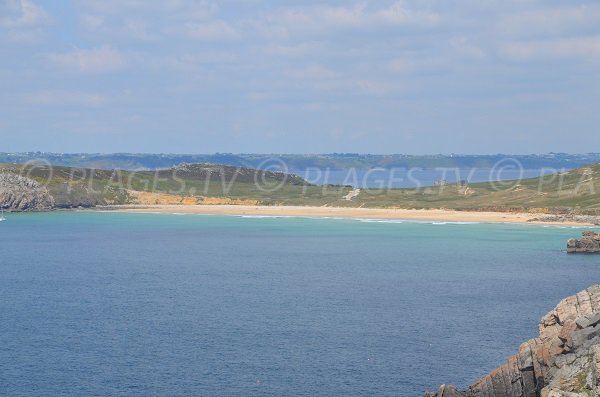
{"type": "Point", "coordinates": [344, 212]}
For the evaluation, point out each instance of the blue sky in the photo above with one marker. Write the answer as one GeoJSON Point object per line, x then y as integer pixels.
{"type": "Point", "coordinates": [430, 76]}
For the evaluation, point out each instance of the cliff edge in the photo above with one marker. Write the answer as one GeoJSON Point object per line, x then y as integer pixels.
{"type": "Point", "coordinates": [23, 194]}
{"type": "Point", "coordinates": [563, 361]}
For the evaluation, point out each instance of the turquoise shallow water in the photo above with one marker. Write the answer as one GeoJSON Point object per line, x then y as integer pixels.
{"type": "Point", "coordinates": [114, 304]}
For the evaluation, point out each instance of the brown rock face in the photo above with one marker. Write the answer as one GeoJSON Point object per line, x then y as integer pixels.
{"type": "Point", "coordinates": [589, 243]}
{"type": "Point", "coordinates": [23, 194]}
{"type": "Point", "coordinates": [564, 360]}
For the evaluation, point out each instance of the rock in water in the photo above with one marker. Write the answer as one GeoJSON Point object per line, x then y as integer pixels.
{"type": "Point", "coordinates": [589, 243]}
{"type": "Point", "coordinates": [563, 361]}
{"type": "Point", "coordinates": [18, 193]}
{"type": "Point", "coordinates": [444, 391]}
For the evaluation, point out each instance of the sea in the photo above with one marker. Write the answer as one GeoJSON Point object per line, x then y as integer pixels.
{"type": "Point", "coordinates": [118, 304]}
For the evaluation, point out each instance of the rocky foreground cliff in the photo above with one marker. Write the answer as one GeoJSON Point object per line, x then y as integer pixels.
{"type": "Point", "coordinates": [23, 194]}
{"type": "Point", "coordinates": [563, 361]}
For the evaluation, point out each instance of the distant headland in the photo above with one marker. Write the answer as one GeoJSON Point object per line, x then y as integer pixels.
{"type": "Point", "coordinates": [571, 197]}
{"type": "Point", "coordinates": [333, 161]}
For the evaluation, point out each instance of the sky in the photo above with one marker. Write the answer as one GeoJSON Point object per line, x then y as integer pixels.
{"type": "Point", "coordinates": [267, 76]}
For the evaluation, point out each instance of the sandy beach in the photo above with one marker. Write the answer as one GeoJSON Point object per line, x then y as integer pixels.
{"type": "Point", "coordinates": [339, 212]}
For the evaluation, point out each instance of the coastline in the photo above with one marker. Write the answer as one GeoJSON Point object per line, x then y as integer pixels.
{"type": "Point", "coordinates": [344, 212]}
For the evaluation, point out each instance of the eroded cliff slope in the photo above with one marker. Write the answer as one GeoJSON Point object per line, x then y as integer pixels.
{"type": "Point", "coordinates": [563, 361]}
{"type": "Point", "coordinates": [23, 194]}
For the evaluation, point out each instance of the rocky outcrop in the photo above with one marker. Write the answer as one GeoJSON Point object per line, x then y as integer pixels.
{"type": "Point", "coordinates": [563, 361]}
{"type": "Point", "coordinates": [18, 193]}
{"type": "Point", "coordinates": [571, 217]}
{"type": "Point", "coordinates": [589, 243]}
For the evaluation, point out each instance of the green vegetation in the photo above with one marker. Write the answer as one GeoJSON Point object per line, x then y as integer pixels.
{"type": "Point", "coordinates": [576, 190]}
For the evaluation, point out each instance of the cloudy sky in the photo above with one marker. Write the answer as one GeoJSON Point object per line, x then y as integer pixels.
{"type": "Point", "coordinates": [378, 76]}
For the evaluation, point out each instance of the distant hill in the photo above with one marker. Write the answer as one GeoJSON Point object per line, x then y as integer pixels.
{"type": "Point", "coordinates": [574, 191]}
{"type": "Point", "coordinates": [295, 162]}
{"type": "Point", "coordinates": [84, 187]}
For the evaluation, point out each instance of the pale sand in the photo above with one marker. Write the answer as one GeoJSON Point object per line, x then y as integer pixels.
{"type": "Point", "coordinates": [338, 212]}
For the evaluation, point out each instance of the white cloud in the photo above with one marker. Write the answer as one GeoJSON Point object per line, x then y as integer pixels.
{"type": "Point", "coordinates": [213, 30]}
{"type": "Point", "coordinates": [414, 64]}
{"type": "Point", "coordinates": [61, 98]}
{"type": "Point", "coordinates": [568, 48]}
{"type": "Point", "coordinates": [91, 22]}
{"type": "Point", "coordinates": [22, 36]}
{"type": "Point", "coordinates": [192, 62]}
{"type": "Point", "coordinates": [151, 20]}
{"type": "Point", "coordinates": [138, 29]}
{"type": "Point", "coordinates": [293, 50]}
{"type": "Point", "coordinates": [383, 62]}
{"type": "Point", "coordinates": [547, 21]}
{"type": "Point", "coordinates": [462, 46]}
{"type": "Point", "coordinates": [21, 21]}
{"type": "Point", "coordinates": [319, 19]}
{"type": "Point", "coordinates": [313, 72]}
{"type": "Point", "coordinates": [340, 16]}
{"type": "Point", "coordinates": [398, 14]}
{"type": "Point", "coordinates": [191, 9]}
{"type": "Point", "coordinates": [95, 60]}
{"type": "Point", "coordinates": [373, 87]}
{"type": "Point", "coordinates": [21, 14]}
{"type": "Point", "coordinates": [128, 28]}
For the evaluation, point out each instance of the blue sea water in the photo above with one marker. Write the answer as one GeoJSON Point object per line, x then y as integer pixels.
{"type": "Point", "coordinates": [109, 304]}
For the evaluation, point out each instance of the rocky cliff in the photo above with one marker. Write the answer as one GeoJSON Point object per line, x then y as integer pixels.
{"type": "Point", "coordinates": [589, 243]}
{"type": "Point", "coordinates": [563, 361]}
{"type": "Point", "coordinates": [23, 194]}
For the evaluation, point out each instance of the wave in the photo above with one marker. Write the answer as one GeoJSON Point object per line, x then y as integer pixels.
{"type": "Point", "coordinates": [368, 220]}
{"type": "Point", "coordinates": [286, 216]}
{"type": "Point", "coordinates": [380, 220]}
{"type": "Point", "coordinates": [454, 223]}
{"type": "Point", "coordinates": [426, 222]}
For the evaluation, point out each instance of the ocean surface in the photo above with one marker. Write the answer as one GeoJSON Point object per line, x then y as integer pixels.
{"type": "Point", "coordinates": [109, 304]}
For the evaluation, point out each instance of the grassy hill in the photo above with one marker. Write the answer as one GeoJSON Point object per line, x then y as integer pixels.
{"type": "Point", "coordinates": [187, 183]}
{"type": "Point", "coordinates": [576, 190]}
